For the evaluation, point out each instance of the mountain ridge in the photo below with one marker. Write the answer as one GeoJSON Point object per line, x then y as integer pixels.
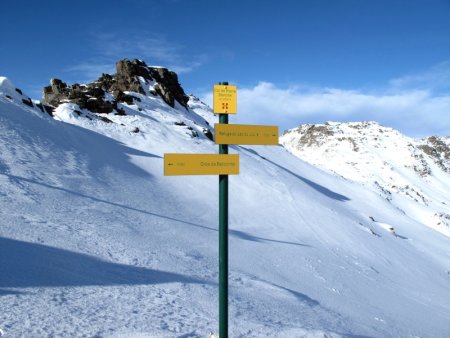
{"type": "Point", "coordinates": [382, 158]}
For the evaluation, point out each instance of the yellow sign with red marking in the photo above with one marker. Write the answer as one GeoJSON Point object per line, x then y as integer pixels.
{"type": "Point", "coordinates": [201, 164]}
{"type": "Point", "coordinates": [224, 99]}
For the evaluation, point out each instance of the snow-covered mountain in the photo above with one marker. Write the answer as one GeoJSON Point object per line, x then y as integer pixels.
{"type": "Point", "coordinates": [412, 174]}
{"type": "Point", "coordinates": [96, 242]}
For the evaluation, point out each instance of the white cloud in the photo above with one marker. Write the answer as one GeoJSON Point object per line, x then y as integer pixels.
{"type": "Point", "coordinates": [413, 112]}
{"type": "Point", "coordinates": [88, 71]}
{"type": "Point", "coordinates": [148, 46]}
{"type": "Point", "coordinates": [153, 49]}
{"type": "Point", "coordinates": [436, 78]}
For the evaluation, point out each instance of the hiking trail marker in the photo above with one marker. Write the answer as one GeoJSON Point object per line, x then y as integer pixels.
{"type": "Point", "coordinates": [201, 164]}
{"type": "Point", "coordinates": [224, 99]}
{"type": "Point", "coordinates": [222, 164]}
{"type": "Point", "coordinates": [245, 134]}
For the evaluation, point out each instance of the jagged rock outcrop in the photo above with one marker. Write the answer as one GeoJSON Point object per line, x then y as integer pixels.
{"type": "Point", "coordinates": [91, 96]}
{"type": "Point", "coordinates": [168, 87]}
{"type": "Point", "coordinates": [131, 76]}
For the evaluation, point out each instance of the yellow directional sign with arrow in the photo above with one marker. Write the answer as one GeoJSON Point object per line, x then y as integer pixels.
{"type": "Point", "coordinates": [245, 134]}
{"type": "Point", "coordinates": [201, 164]}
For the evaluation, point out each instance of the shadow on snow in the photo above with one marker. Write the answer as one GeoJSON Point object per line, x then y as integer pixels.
{"type": "Point", "coordinates": [24, 264]}
{"type": "Point", "coordinates": [94, 149]}
{"type": "Point", "coordinates": [248, 237]}
{"type": "Point", "coordinates": [239, 234]}
{"type": "Point", "coordinates": [320, 188]}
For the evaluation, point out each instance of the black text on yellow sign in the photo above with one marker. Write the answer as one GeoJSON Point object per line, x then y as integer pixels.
{"type": "Point", "coordinates": [201, 164]}
{"type": "Point", "coordinates": [245, 134]}
{"type": "Point", "coordinates": [224, 99]}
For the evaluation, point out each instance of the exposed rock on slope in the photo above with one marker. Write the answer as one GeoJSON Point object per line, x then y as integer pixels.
{"type": "Point", "coordinates": [413, 174]}
{"type": "Point", "coordinates": [103, 95]}
{"type": "Point", "coordinates": [135, 90]}
{"type": "Point", "coordinates": [437, 148]}
{"type": "Point", "coordinates": [14, 94]}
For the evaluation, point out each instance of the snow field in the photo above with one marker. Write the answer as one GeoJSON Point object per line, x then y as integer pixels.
{"type": "Point", "coordinates": [95, 241]}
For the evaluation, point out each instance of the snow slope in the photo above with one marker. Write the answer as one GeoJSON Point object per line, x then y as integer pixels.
{"type": "Point", "coordinates": [96, 242]}
{"type": "Point", "coordinates": [414, 175]}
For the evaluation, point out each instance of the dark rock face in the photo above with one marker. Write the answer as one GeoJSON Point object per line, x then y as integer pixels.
{"type": "Point", "coordinates": [28, 102]}
{"type": "Point", "coordinates": [48, 109]}
{"type": "Point", "coordinates": [168, 87]}
{"type": "Point", "coordinates": [91, 96]}
{"type": "Point", "coordinates": [127, 79]}
{"type": "Point", "coordinates": [208, 134]}
{"type": "Point", "coordinates": [438, 150]}
{"type": "Point", "coordinates": [54, 93]}
{"type": "Point", "coordinates": [122, 97]}
{"type": "Point", "coordinates": [130, 76]}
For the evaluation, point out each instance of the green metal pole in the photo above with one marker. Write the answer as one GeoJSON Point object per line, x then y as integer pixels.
{"type": "Point", "coordinates": [223, 241]}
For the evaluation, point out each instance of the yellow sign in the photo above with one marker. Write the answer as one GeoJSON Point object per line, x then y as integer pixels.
{"type": "Point", "coordinates": [224, 101]}
{"type": "Point", "coordinates": [245, 134]}
{"type": "Point", "coordinates": [201, 164]}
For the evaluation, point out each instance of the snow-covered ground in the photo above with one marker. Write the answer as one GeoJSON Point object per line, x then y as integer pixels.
{"type": "Point", "coordinates": [96, 242]}
{"type": "Point", "coordinates": [414, 175]}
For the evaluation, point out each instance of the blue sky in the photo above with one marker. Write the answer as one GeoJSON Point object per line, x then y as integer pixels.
{"type": "Point", "coordinates": [293, 61]}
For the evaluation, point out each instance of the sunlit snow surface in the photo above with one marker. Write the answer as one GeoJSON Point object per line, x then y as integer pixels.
{"type": "Point", "coordinates": [96, 242]}
{"type": "Point", "coordinates": [383, 160]}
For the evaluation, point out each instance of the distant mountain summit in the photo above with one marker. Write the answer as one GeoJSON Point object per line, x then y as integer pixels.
{"type": "Point", "coordinates": [413, 174]}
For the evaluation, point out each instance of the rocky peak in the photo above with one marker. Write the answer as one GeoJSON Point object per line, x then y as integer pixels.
{"type": "Point", "coordinates": [316, 135]}
{"type": "Point", "coordinates": [127, 77]}
{"type": "Point", "coordinates": [131, 76]}
{"type": "Point", "coordinates": [369, 136]}
{"type": "Point", "coordinates": [354, 149]}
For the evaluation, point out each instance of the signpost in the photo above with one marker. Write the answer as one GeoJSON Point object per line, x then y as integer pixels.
{"type": "Point", "coordinates": [245, 134]}
{"type": "Point", "coordinates": [224, 99]}
{"type": "Point", "coordinates": [201, 164]}
{"type": "Point", "coordinates": [222, 164]}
